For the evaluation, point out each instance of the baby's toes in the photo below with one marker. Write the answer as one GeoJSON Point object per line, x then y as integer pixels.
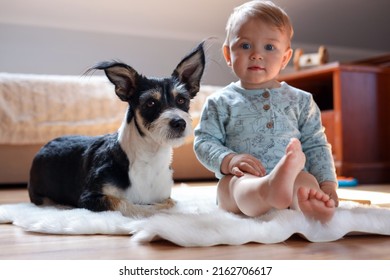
{"type": "Point", "coordinates": [330, 203]}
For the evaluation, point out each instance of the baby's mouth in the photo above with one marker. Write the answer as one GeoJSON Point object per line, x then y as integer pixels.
{"type": "Point", "coordinates": [256, 68]}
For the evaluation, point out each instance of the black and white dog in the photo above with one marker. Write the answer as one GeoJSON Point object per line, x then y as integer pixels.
{"type": "Point", "coordinates": [128, 171]}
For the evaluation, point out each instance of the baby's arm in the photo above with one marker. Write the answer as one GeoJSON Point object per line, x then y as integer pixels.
{"type": "Point", "coordinates": [210, 142]}
{"type": "Point", "coordinates": [238, 164]}
{"type": "Point", "coordinates": [319, 160]}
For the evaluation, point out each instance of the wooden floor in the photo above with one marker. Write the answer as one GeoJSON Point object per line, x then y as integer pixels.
{"type": "Point", "coordinates": [17, 244]}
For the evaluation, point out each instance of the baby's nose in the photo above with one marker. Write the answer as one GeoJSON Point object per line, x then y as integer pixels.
{"type": "Point", "coordinates": [256, 55]}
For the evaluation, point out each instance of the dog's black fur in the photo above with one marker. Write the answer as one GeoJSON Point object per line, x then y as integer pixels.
{"type": "Point", "coordinates": [128, 171]}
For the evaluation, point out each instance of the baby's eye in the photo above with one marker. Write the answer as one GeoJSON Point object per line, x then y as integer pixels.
{"type": "Point", "coordinates": [269, 47]}
{"type": "Point", "coordinates": [246, 46]}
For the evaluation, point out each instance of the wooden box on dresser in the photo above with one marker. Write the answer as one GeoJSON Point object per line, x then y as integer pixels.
{"type": "Point", "coordinates": [355, 106]}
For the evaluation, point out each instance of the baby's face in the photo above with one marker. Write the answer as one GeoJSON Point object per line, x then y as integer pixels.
{"type": "Point", "coordinates": [257, 52]}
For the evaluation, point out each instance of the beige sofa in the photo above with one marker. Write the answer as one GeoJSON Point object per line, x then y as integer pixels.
{"type": "Point", "coordinates": [37, 108]}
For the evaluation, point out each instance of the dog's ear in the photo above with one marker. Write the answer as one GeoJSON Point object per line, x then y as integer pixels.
{"type": "Point", "coordinates": [122, 76]}
{"type": "Point", "coordinates": [190, 70]}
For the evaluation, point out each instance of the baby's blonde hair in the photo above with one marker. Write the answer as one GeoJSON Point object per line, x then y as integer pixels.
{"type": "Point", "coordinates": [262, 10]}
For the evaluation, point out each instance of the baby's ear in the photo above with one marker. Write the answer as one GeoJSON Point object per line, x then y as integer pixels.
{"type": "Point", "coordinates": [122, 76]}
{"type": "Point", "coordinates": [226, 55]}
{"type": "Point", "coordinates": [286, 58]}
{"type": "Point", "coordinates": [190, 70]}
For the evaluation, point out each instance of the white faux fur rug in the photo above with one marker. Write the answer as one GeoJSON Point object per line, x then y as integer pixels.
{"type": "Point", "coordinates": [196, 221]}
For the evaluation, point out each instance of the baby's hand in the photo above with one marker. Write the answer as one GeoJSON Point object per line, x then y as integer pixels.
{"type": "Point", "coordinates": [245, 163]}
{"type": "Point", "coordinates": [330, 189]}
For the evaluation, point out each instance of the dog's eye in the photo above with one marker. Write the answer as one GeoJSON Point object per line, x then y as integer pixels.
{"type": "Point", "coordinates": [181, 101]}
{"type": "Point", "coordinates": [150, 103]}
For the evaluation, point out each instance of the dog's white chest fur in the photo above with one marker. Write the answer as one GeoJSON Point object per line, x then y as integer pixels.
{"type": "Point", "coordinates": [149, 170]}
{"type": "Point", "coordinates": [150, 178]}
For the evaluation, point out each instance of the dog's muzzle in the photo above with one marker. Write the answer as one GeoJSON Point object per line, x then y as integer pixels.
{"type": "Point", "coordinates": [177, 128]}
{"type": "Point", "coordinates": [178, 125]}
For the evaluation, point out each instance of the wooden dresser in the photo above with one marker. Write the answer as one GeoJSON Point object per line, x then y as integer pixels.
{"type": "Point", "coordinates": [355, 105]}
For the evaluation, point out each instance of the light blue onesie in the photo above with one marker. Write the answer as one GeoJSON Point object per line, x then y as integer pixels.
{"type": "Point", "coordinates": [261, 123]}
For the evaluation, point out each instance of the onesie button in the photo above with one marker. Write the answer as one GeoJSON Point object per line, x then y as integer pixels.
{"type": "Point", "coordinates": [266, 107]}
{"type": "Point", "coordinates": [270, 124]}
{"type": "Point", "coordinates": [266, 94]}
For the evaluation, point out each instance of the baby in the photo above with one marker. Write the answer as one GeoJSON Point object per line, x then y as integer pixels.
{"type": "Point", "coordinates": [263, 138]}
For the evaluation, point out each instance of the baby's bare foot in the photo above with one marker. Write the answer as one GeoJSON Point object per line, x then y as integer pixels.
{"type": "Point", "coordinates": [315, 204]}
{"type": "Point", "coordinates": [283, 176]}
{"type": "Point", "coordinates": [294, 146]}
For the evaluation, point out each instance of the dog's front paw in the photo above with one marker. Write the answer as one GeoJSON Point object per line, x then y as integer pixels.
{"type": "Point", "coordinates": [166, 204]}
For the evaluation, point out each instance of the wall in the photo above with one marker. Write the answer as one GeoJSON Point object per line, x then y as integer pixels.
{"type": "Point", "coordinates": [68, 36]}
{"type": "Point", "coordinates": [41, 50]}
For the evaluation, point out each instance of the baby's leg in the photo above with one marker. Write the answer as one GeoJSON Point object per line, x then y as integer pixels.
{"type": "Point", "coordinates": [247, 194]}
{"type": "Point", "coordinates": [253, 195]}
{"type": "Point", "coordinates": [311, 200]}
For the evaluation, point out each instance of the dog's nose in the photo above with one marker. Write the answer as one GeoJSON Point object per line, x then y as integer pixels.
{"type": "Point", "coordinates": [178, 124]}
